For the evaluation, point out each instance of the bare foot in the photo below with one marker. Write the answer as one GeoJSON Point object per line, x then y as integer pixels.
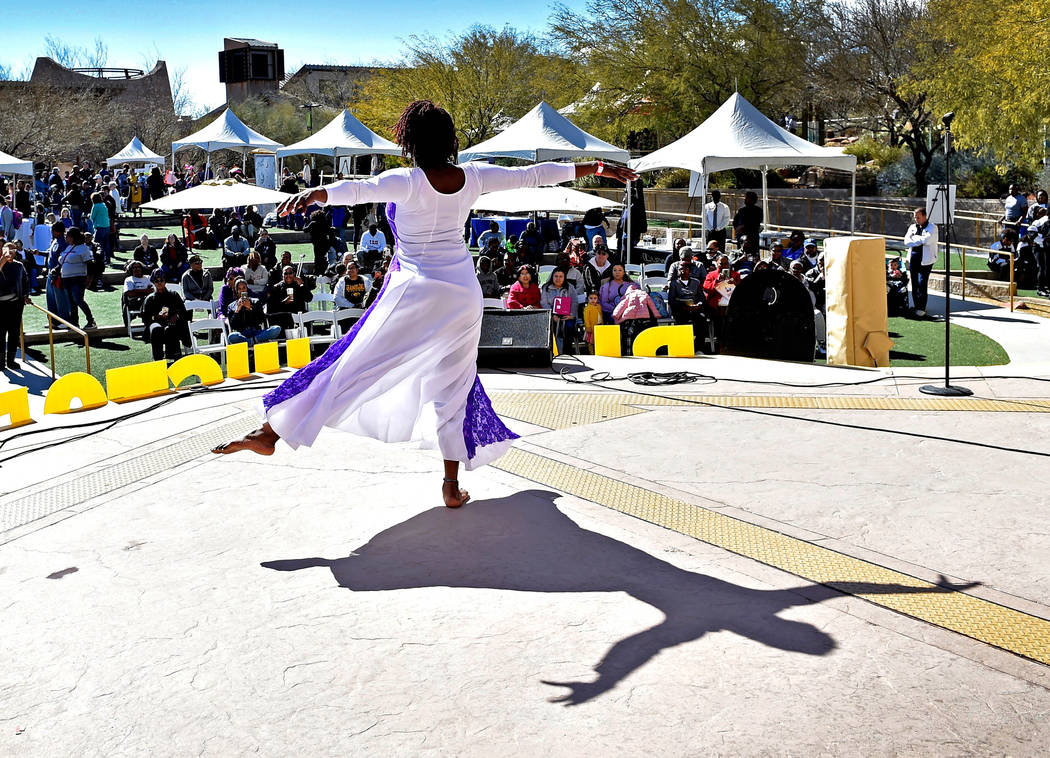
{"type": "Point", "coordinates": [453, 495]}
{"type": "Point", "coordinates": [261, 441]}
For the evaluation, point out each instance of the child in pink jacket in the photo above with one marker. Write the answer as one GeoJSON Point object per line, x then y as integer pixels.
{"type": "Point", "coordinates": [635, 304]}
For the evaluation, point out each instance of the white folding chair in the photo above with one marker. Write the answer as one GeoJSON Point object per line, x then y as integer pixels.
{"type": "Point", "coordinates": [325, 318]}
{"type": "Point", "coordinates": [655, 269]}
{"type": "Point", "coordinates": [342, 314]}
{"type": "Point", "coordinates": [200, 305]}
{"type": "Point", "coordinates": [633, 269]}
{"type": "Point", "coordinates": [323, 301]}
{"type": "Point", "coordinates": [177, 288]}
{"type": "Point", "coordinates": [324, 284]}
{"type": "Point", "coordinates": [656, 282]}
{"type": "Point", "coordinates": [209, 325]}
{"type": "Point", "coordinates": [544, 272]}
{"type": "Point", "coordinates": [495, 303]}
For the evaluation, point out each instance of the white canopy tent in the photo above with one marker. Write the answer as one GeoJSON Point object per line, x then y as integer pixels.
{"type": "Point", "coordinates": [226, 193]}
{"type": "Point", "coordinates": [737, 135]}
{"type": "Point", "coordinates": [343, 136]}
{"type": "Point", "coordinates": [543, 134]}
{"type": "Point", "coordinates": [227, 132]}
{"type": "Point", "coordinates": [528, 199]}
{"type": "Point", "coordinates": [135, 152]}
{"type": "Point", "coordinates": [9, 164]}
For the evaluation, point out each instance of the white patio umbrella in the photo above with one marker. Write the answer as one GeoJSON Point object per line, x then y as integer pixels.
{"type": "Point", "coordinates": [217, 194]}
{"type": "Point", "coordinates": [528, 199]}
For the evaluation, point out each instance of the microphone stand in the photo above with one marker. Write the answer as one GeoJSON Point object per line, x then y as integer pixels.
{"type": "Point", "coordinates": [944, 195]}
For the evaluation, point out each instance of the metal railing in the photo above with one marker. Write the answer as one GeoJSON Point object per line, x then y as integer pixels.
{"type": "Point", "coordinates": [964, 250]}
{"type": "Point", "coordinates": [51, 317]}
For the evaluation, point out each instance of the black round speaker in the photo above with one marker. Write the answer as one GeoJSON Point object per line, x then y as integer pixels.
{"type": "Point", "coordinates": [770, 315]}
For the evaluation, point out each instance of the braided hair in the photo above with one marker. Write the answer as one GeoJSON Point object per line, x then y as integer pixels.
{"type": "Point", "coordinates": [426, 134]}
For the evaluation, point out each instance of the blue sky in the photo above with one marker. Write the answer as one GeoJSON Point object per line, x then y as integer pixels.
{"type": "Point", "coordinates": [181, 33]}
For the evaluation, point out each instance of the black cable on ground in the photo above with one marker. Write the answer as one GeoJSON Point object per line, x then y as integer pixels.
{"type": "Point", "coordinates": [108, 423]}
{"type": "Point", "coordinates": [600, 378]}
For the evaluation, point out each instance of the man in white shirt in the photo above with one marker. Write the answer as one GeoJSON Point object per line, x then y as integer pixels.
{"type": "Point", "coordinates": [372, 243]}
{"type": "Point", "coordinates": [921, 240]}
{"type": "Point", "coordinates": [716, 219]}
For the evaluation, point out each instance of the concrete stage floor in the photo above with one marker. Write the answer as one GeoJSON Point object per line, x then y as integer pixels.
{"type": "Point", "coordinates": [727, 568]}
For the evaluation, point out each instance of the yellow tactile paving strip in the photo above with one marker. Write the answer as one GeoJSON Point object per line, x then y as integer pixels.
{"type": "Point", "coordinates": [982, 620]}
{"type": "Point", "coordinates": [562, 410]}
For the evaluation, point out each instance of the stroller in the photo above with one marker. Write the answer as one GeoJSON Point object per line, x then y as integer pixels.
{"type": "Point", "coordinates": [896, 287]}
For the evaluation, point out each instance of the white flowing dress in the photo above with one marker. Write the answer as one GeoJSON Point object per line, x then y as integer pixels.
{"type": "Point", "coordinates": [407, 370]}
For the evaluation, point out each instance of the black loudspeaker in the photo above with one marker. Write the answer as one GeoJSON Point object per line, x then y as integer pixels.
{"type": "Point", "coordinates": [515, 338]}
{"type": "Point", "coordinates": [770, 316]}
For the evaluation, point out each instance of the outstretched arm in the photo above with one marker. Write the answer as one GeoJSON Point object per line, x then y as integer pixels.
{"type": "Point", "coordinates": [495, 178]}
{"type": "Point", "coordinates": [390, 186]}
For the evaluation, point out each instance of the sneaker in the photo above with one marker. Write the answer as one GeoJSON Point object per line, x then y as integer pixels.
{"type": "Point", "coordinates": [90, 325]}
{"type": "Point", "coordinates": [920, 314]}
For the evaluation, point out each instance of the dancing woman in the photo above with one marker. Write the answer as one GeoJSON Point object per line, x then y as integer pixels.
{"type": "Point", "coordinates": [407, 371]}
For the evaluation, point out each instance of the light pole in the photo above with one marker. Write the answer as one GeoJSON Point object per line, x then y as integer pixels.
{"type": "Point", "coordinates": [944, 196]}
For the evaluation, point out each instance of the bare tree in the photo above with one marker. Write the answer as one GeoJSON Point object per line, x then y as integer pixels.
{"type": "Point", "coordinates": [72, 56]}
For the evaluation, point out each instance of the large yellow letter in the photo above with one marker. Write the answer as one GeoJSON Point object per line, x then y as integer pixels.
{"type": "Point", "coordinates": [237, 361]}
{"type": "Point", "coordinates": [677, 339]}
{"type": "Point", "coordinates": [137, 381]}
{"type": "Point", "coordinates": [266, 358]}
{"type": "Point", "coordinates": [202, 366]}
{"type": "Point", "coordinates": [607, 341]}
{"type": "Point", "coordinates": [15, 403]}
{"type": "Point", "coordinates": [298, 352]}
{"type": "Point", "coordinates": [76, 385]}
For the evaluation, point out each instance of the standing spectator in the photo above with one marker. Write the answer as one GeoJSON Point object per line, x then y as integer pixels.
{"type": "Point", "coordinates": [22, 202]}
{"type": "Point", "coordinates": [248, 319]}
{"type": "Point", "coordinates": [173, 258]}
{"type": "Point", "coordinates": [145, 254]}
{"type": "Point", "coordinates": [318, 229]}
{"type": "Point", "coordinates": [563, 323]}
{"type": "Point", "coordinates": [716, 218]}
{"type": "Point", "coordinates": [613, 290]}
{"type": "Point", "coordinates": [287, 297]}
{"type": "Point", "coordinates": [360, 212]}
{"type": "Point", "coordinates": [57, 300]}
{"type": "Point", "coordinates": [921, 240]}
{"type": "Point", "coordinates": [100, 221]}
{"type": "Point", "coordinates": [166, 319]}
{"type": "Point", "coordinates": [524, 294]}
{"type": "Point", "coordinates": [234, 249]}
{"type": "Point", "coordinates": [7, 219]}
{"type": "Point", "coordinates": [1041, 201]}
{"type": "Point", "coordinates": [197, 283]}
{"type": "Point", "coordinates": [1015, 206]}
{"type": "Point", "coordinates": [74, 266]}
{"type": "Point", "coordinates": [73, 199]}
{"type": "Point", "coordinates": [118, 201]}
{"type": "Point", "coordinates": [14, 295]}
{"type": "Point", "coordinates": [135, 193]}
{"type": "Point", "coordinates": [748, 218]}
{"type": "Point", "coordinates": [155, 188]}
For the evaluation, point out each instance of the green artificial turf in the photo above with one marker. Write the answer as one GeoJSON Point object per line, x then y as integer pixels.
{"type": "Point", "coordinates": [921, 343]}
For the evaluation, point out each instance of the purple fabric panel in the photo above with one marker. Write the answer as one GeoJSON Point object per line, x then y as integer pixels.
{"type": "Point", "coordinates": [481, 425]}
{"type": "Point", "coordinates": [391, 211]}
{"type": "Point", "coordinates": [302, 378]}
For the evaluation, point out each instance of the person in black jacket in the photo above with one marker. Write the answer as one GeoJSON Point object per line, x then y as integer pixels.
{"type": "Point", "coordinates": [267, 249]}
{"type": "Point", "coordinates": [167, 322]}
{"type": "Point", "coordinates": [14, 295]}
{"type": "Point", "coordinates": [318, 229]}
{"type": "Point", "coordinates": [287, 297]}
{"type": "Point", "coordinates": [155, 184]}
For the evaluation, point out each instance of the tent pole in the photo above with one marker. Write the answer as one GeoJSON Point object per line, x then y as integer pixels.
{"type": "Point", "coordinates": [765, 199]}
{"type": "Point", "coordinates": [853, 204]}
{"type": "Point", "coordinates": [703, 212]}
{"type": "Point", "coordinates": [625, 255]}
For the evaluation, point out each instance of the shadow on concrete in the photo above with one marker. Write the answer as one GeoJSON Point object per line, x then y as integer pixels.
{"type": "Point", "coordinates": [25, 376]}
{"type": "Point", "coordinates": [524, 543]}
